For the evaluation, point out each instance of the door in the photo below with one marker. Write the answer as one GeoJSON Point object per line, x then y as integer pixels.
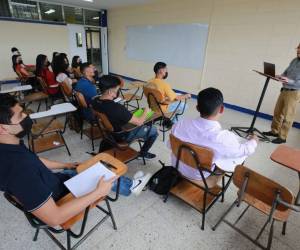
{"type": "Point", "coordinates": [93, 47]}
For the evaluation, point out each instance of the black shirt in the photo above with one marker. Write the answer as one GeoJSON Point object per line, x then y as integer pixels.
{"type": "Point", "coordinates": [24, 176]}
{"type": "Point", "coordinates": [116, 113]}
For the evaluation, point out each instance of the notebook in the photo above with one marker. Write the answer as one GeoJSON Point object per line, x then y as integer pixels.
{"type": "Point", "coordinates": [140, 112]}
{"type": "Point", "coordinates": [87, 181]}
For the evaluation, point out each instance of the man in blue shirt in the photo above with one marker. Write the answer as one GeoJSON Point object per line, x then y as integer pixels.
{"type": "Point", "coordinates": [87, 88]}
{"type": "Point", "coordinates": [29, 178]}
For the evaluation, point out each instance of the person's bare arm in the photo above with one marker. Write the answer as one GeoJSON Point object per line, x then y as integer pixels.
{"type": "Point", "coordinates": [183, 97]}
{"type": "Point", "coordinates": [58, 165]}
{"type": "Point", "coordinates": [139, 120]}
{"type": "Point", "coordinates": [54, 215]}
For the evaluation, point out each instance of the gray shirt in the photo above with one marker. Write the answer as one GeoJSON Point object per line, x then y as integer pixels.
{"type": "Point", "coordinates": [293, 73]}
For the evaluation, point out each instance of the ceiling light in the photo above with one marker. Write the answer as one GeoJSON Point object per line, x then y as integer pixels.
{"type": "Point", "coordinates": [89, 1]}
{"type": "Point", "coordinates": [96, 18]}
{"type": "Point", "coordinates": [49, 11]}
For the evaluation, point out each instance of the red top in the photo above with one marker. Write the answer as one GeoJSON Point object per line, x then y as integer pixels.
{"type": "Point", "coordinates": [22, 70]}
{"type": "Point", "coordinates": [49, 78]}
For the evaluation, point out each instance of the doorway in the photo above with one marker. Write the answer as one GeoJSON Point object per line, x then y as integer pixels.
{"type": "Point", "coordinates": [93, 47]}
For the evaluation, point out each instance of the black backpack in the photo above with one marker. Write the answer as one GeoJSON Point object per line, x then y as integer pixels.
{"type": "Point", "coordinates": [164, 179]}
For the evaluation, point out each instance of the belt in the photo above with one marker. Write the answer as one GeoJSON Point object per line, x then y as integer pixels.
{"type": "Point", "coordinates": [285, 89]}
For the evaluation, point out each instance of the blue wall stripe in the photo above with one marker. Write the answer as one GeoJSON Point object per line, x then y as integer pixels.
{"type": "Point", "coordinates": [227, 105]}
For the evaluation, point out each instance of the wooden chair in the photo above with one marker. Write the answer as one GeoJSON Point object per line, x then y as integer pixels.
{"type": "Point", "coordinates": [66, 227]}
{"type": "Point", "coordinates": [67, 91]}
{"type": "Point", "coordinates": [45, 88]}
{"type": "Point", "coordinates": [112, 144]}
{"type": "Point", "coordinates": [130, 97]}
{"type": "Point", "coordinates": [200, 194]}
{"type": "Point", "coordinates": [262, 194]}
{"type": "Point", "coordinates": [93, 131]}
{"type": "Point", "coordinates": [155, 101]}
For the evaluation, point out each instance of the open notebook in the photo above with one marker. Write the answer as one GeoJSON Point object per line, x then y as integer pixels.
{"type": "Point", "coordinates": [87, 181]}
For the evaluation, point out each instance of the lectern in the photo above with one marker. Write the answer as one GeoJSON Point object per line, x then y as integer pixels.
{"type": "Point", "coordinates": [252, 129]}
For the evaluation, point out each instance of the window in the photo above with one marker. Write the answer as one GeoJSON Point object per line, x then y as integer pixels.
{"type": "Point", "coordinates": [92, 17]}
{"type": "Point", "coordinates": [51, 12]}
{"type": "Point", "coordinates": [73, 15]}
{"type": "Point", "coordinates": [4, 8]}
{"type": "Point", "coordinates": [25, 9]}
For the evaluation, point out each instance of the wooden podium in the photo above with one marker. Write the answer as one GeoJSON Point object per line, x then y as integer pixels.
{"type": "Point", "coordinates": [252, 129]}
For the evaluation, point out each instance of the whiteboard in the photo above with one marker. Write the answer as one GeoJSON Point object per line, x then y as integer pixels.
{"type": "Point", "coordinates": [181, 45]}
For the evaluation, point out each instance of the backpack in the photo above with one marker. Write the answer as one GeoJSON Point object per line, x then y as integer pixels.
{"type": "Point", "coordinates": [164, 179]}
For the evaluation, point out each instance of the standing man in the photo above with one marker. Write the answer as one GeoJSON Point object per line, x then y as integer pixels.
{"type": "Point", "coordinates": [285, 109]}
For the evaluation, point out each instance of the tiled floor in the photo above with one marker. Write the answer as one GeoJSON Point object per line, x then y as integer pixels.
{"type": "Point", "coordinates": [145, 222]}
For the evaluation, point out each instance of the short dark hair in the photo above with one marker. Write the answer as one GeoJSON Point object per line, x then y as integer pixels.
{"type": "Point", "coordinates": [158, 66]}
{"type": "Point", "coordinates": [83, 66]}
{"type": "Point", "coordinates": [7, 102]}
{"type": "Point", "coordinates": [209, 100]}
{"type": "Point", "coordinates": [13, 49]}
{"type": "Point", "coordinates": [107, 82]}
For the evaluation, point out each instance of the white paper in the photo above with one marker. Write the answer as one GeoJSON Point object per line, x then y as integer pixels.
{"type": "Point", "coordinates": [87, 181]}
{"type": "Point", "coordinates": [57, 109]}
{"type": "Point", "coordinates": [229, 165]}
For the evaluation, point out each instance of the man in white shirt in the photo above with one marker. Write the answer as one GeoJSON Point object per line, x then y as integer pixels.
{"type": "Point", "coordinates": [206, 131]}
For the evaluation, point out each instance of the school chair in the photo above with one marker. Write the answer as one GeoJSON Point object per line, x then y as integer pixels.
{"type": "Point", "coordinates": [129, 97]}
{"type": "Point", "coordinates": [156, 101]}
{"type": "Point", "coordinates": [199, 194]}
{"type": "Point", "coordinates": [264, 195]}
{"type": "Point", "coordinates": [45, 88]}
{"type": "Point", "coordinates": [112, 142]}
{"type": "Point", "coordinates": [66, 227]}
{"type": "Point", "coordinates": [67, 91]}
{"type": "Point", "coordinates": [93, 131]}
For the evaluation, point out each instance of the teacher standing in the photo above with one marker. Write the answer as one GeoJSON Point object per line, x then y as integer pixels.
{"type": "Point", "coordinates": [285, 109]}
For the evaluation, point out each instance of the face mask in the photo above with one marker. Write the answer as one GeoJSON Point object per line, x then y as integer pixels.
{"type": "Point", "coordinates": [166, 75]}
{"type": "Point", "coordinates": [21, 61]}
{"type": "Point", "coordinates": [48, 64]}
{"type": "Point", "coordinates": [26, 125]}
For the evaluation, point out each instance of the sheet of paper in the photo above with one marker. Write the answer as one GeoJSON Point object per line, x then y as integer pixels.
{"type": "Point", "coordinates": [229, 165]}
{"type": "Point", "coordinates": [87, 181]}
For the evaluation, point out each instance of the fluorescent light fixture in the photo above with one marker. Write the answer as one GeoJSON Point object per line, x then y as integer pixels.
{"type": "Point", "coordinates": [49, 11]}
{"type": "Point", "coordinates": [96, 18]}
{"type": "Point", "coordinates": [89, 1]}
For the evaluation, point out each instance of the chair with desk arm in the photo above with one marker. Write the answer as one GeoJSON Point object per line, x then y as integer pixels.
{"type": "Point", "coordinates": [119, 168]}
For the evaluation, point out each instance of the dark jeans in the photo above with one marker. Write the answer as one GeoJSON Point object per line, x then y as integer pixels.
{"type": "Point", "coordinates": [147, 133]}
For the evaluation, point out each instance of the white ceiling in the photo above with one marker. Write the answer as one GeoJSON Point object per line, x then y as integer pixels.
{"type": "Point", "coordinates": [100, 4]}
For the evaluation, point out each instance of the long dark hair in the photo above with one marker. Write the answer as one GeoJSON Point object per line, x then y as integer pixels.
{"type": "Point", "coordinates": [59, 65]}
{"type": "Point", "coordinates": [40, 64]}
{"type": "Point", "coordinates": [75, 64]}
{"type": "Point", "coordinates": [14, 61]}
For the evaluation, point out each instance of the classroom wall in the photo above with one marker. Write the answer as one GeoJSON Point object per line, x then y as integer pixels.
{"type": "Point", "coordinates": [73, 48]}
{"type": "Point", "coordinates": [242, 34]}
{"type": "Point", "coordinates": [31, 39]}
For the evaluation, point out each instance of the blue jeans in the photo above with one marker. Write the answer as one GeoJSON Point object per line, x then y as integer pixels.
{"type": "Point", "coordinates": [172, 107]}
{"type": "Point", "coordinates": [147, 133]}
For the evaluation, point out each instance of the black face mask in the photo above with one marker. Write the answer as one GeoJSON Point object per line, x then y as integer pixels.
{"type": "Point", "coordinates": [21, 62]}
{"type": "Point", "coordinates": [166, 75]}
{"type": "Point", "coordinates": [48, 64]}
{"type": "Point", "coordinates": [26, 125]}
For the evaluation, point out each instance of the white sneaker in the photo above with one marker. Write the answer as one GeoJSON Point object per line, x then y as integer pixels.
{"type": "Point", "coordinates": [138, 174]}
{"type": "Point", "coordinates": [139, 183]}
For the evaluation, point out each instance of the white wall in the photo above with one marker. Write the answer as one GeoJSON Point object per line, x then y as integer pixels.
{"type": "Point", "coordinates": [31, 39]}
{"type": "Point", "coordinates": [74, 50]}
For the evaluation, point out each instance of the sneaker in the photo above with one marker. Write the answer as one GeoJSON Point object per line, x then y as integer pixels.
{"type": "Point", "coordinates": [139, 184]}
{"type": "Point", "coordinates": [147, 155]}
{"type": "Point", "coordinates": [270, 133]}
{"type": "Point", "coordinates": [279, 140]}
{"type": "Point", "coordinates": [138, 174]}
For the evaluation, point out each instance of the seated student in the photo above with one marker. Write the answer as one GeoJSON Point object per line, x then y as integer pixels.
{"type": "Point", "coordinates": [15, 51]}
{"type": "Point", "coordinates": [19, 67]}
{"type": "Point", "coordinates": [118, 115]}
{"type": "Point", "coordinates": [86, 87]}
{"type": "Point", "coordinates": [206, 131]}
{"type": "Point", "coordinates": [29, 178]}
{"type": "Point", "coordinates": [159, 83]}
{"type": "Point", "coordinates": [76, 62]}
{"type": "Point", "coordinates": [42, 70]}
{"type": "Point", "coordinates": [61, 69]}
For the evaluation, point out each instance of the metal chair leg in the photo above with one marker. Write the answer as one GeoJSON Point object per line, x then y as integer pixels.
{"type": "Point", "coordinates": [270, 235]}
{"type": "Point", "coordinates": [36, 234]}
{"type": "Point", "coordinates": [68, 240]}
{"type": "Point", "coordinates": [111, 214]}
{"type": "Point", "coordinates": [284, 228]}
{"type": "Point", "coordinates": [92, 136]}
{"type": "Point", "coordinates": [69, 153]}
{"type": "Point", "coordinates": [223, 188]}
{"type": "Point", "coordinates": [203, 210]}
